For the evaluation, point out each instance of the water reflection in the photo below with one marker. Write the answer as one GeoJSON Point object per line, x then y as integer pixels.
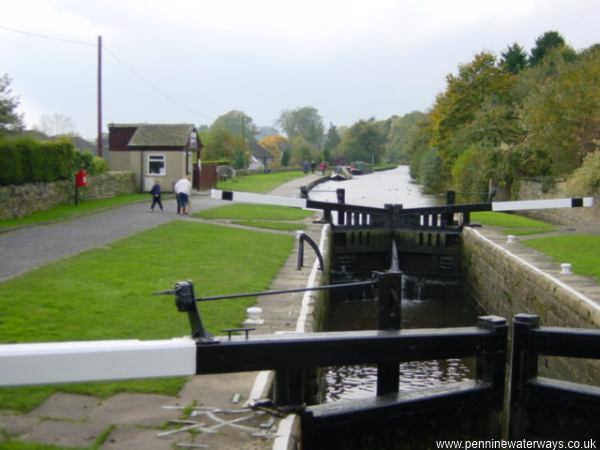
{"type": "Point", "coordinates": [376, 189]}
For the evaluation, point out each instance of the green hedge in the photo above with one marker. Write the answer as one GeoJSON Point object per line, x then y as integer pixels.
{"type": "Point", "coordinates": [26, 160]}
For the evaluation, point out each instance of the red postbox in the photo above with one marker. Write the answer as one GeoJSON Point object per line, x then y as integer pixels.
{"type": "Point", "coordinates": [81, 178]}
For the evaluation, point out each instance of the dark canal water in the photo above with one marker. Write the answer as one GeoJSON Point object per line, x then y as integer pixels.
{"type": "Point", "coordinates": [352, 382]}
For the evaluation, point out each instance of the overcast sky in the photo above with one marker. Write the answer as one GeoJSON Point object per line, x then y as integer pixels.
{"type": "Point", "coordinates": [172, 61]}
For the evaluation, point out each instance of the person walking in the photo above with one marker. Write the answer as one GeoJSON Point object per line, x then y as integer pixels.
{"type": "Point", "coordinates": [183, 190]}
{"type": "Point", "coordinates": [155, 191]}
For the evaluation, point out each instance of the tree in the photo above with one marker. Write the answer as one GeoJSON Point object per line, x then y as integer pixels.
{"type": "Point", "coordinates": [56, 125]}
{"type": "Point", "coordinates": [219, 143]}
{"type": "Point", "coordinates": [237, 123]}
{"type": "Point", "coordinates": [275, 144]}
{"type": "Point", "coordinates": [10, 120]}
{"type": "Point", "coordinates": [303, 122]}
{"type": "Point", "coordinates": [514, 59]}
{"type": "Point", "coordinates": [562, 116]}
{"type": "Point", "coordinates": [396, 148]}
{"type": "Point", "coordinates": [332, 140]}
{"type": "Point", "coordinates": [364, 141]}
{"type": "Point", "coordinates": [465, 94]}
{"type": "Point", "coordinates": [544, 44]}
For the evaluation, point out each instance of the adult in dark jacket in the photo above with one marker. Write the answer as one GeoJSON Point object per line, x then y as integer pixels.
{"type": "Point", "coordinates": [155, 191]}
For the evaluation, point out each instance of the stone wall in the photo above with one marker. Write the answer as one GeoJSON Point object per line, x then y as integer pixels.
{"type": "Point", "coordinates": [18, 201]}
{"type": "Point", "coordinates": [504, 284]}
{"type": "Point", "coordinates": [530, 190]}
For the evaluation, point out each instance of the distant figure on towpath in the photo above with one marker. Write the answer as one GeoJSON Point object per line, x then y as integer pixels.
{"type": "Point", "coordinates": [183, 190]}
{"type": "Point", "coordinates": [155, 191]}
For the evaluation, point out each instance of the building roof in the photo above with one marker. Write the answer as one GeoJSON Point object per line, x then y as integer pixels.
{"type": "Point", "coordinates": [158, 135]}
{"type": "Point", "coordinates": [259, 152]}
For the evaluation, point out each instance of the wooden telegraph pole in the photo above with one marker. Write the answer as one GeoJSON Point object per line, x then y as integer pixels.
{"type": "Point", "coordinates": [100, 96]}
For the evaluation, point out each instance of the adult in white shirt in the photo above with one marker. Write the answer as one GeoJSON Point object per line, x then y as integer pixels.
{"type": "Point", "coordinates": [183, 190]}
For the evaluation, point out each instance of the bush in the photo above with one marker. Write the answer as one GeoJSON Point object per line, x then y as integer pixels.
{"type": "Point", "coordinates": [26, 160]}
{"type": "Point", "coordinates": [11, 170]}
{"type": "Point", "coordinates": [99, 166]}
{"type": "Point", "coordinates": [586, 179]}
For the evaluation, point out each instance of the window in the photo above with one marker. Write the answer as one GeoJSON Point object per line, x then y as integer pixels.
{"type": "Point", "coordinates": [156, 165]}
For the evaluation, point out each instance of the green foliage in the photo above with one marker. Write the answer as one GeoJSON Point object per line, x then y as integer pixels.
{"type": "Point", "coordinates": [304, 122]}
{"type": "Point", "coordinates": [301, 150]}
{"type": "Point", "coordinates": [430, 168]}
{"type": "Point", "coordinates": [514, 59]}
{"type": "Point", "coordinates": [239, 159]}
{"type": "Point", "coordinates": [562, 113]}
{"type": "Point", "coordinates": [220, 143]}
{"type": "Point", "coordinates": [332, 140]}
{"type": "Point", "coordinates": [32, 161]}
{"type": "Point", "coordinates": [586, 179]}
{"type": "Point", "coordinates": [397, 147]}
{"type": "Point", "coordinates": [364, 141]}
{"type": "Point", "coordinates": [99, 166]}
{"type": "Point", "coordinates": [237, 123]}
{"type": "Point", "coordinates": [544, 44]}
{"type": "Point", "coordinates": [286, 157]}
{"type": "Point", "coordinates": [11, 165]}
{"type": "Point", "coordinates": [511, 120]}
{"type": "Point", "coordinates": [10, 120]}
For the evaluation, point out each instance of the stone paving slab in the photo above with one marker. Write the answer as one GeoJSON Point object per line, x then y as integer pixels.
{"type": "Point", "coordinates": [66, 406]}
{"type": "Point", "coordinates": [136, 409]}
{"type": "Point", "coordinates": [15, 425]}
{"type": "Point", "coordinates": [130, 438]}
{"type": "Point", "coordinates": [217, 390]}
{"type": "Point", "coordinates": [67, 434]}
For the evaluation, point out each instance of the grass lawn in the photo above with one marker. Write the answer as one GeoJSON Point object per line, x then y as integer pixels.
{"type": "Point", "coordinates": [511, 223]}
{"type": "Point", "coordinates": [106, 293]}
{"type": "Point", "coordinates": [259, 183]}
{"type": "Point", "coordinates": [271, 225]}
{"type": "Point", "coordinates": [582, 251]}
{"type": "Point", "coordinates": [261, 216]}
{"type": "Point", "coordinates": [240, 211]}
{"type": "Point", "coordinates": [68, 211]}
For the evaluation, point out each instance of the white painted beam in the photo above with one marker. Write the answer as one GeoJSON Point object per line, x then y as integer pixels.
{"type": "Point", "coordinates": [66, 362]}
{"type": "Point", "coordinates": [522, 205]}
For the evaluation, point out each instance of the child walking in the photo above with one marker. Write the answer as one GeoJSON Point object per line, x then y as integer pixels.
{"type": "Point", "coordinates": [155, 191]}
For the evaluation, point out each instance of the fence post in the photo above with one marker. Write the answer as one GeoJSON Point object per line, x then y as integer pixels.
{"type": "Point", "coordinates": [389, 297]}
{"type": "Point", "coordinates": [491, 368]}
{"type": "Point", "coordinates": [524, 368]}
{"type": "Point", "coordinates": [341, 199]}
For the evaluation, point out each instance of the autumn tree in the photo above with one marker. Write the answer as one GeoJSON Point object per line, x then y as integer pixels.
{"type": "Point", "coordinates": [275, 144]}
{"type": "Point", "coordinates": [10, 120]}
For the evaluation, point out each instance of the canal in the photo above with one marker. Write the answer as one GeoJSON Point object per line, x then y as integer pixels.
{"type": "Point", "coordinates": [345, 313]}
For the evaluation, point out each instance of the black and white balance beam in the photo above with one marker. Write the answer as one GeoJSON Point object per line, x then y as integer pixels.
{"type": "Point", "coordinates": [520, 205]}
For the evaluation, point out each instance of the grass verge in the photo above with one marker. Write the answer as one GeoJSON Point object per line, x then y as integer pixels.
{"type": "Point", "coordinates": [259, 183]}
{"type": "Point", "coordinates": [63, 212]}
{"type": "Point", "coordinates": [106, 293]}
{"type": "Point", "coordinates": [582, 251]}
{"type": "Point", "coordinates": [241, 211]}
{"type": "Point", "coordinates": [511, 223]}
{"type": "Point", "coordinates": [260, 216]}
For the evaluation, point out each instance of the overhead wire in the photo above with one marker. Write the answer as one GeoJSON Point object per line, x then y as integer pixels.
{"type": "Point", "coordinates": [115, 57]}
